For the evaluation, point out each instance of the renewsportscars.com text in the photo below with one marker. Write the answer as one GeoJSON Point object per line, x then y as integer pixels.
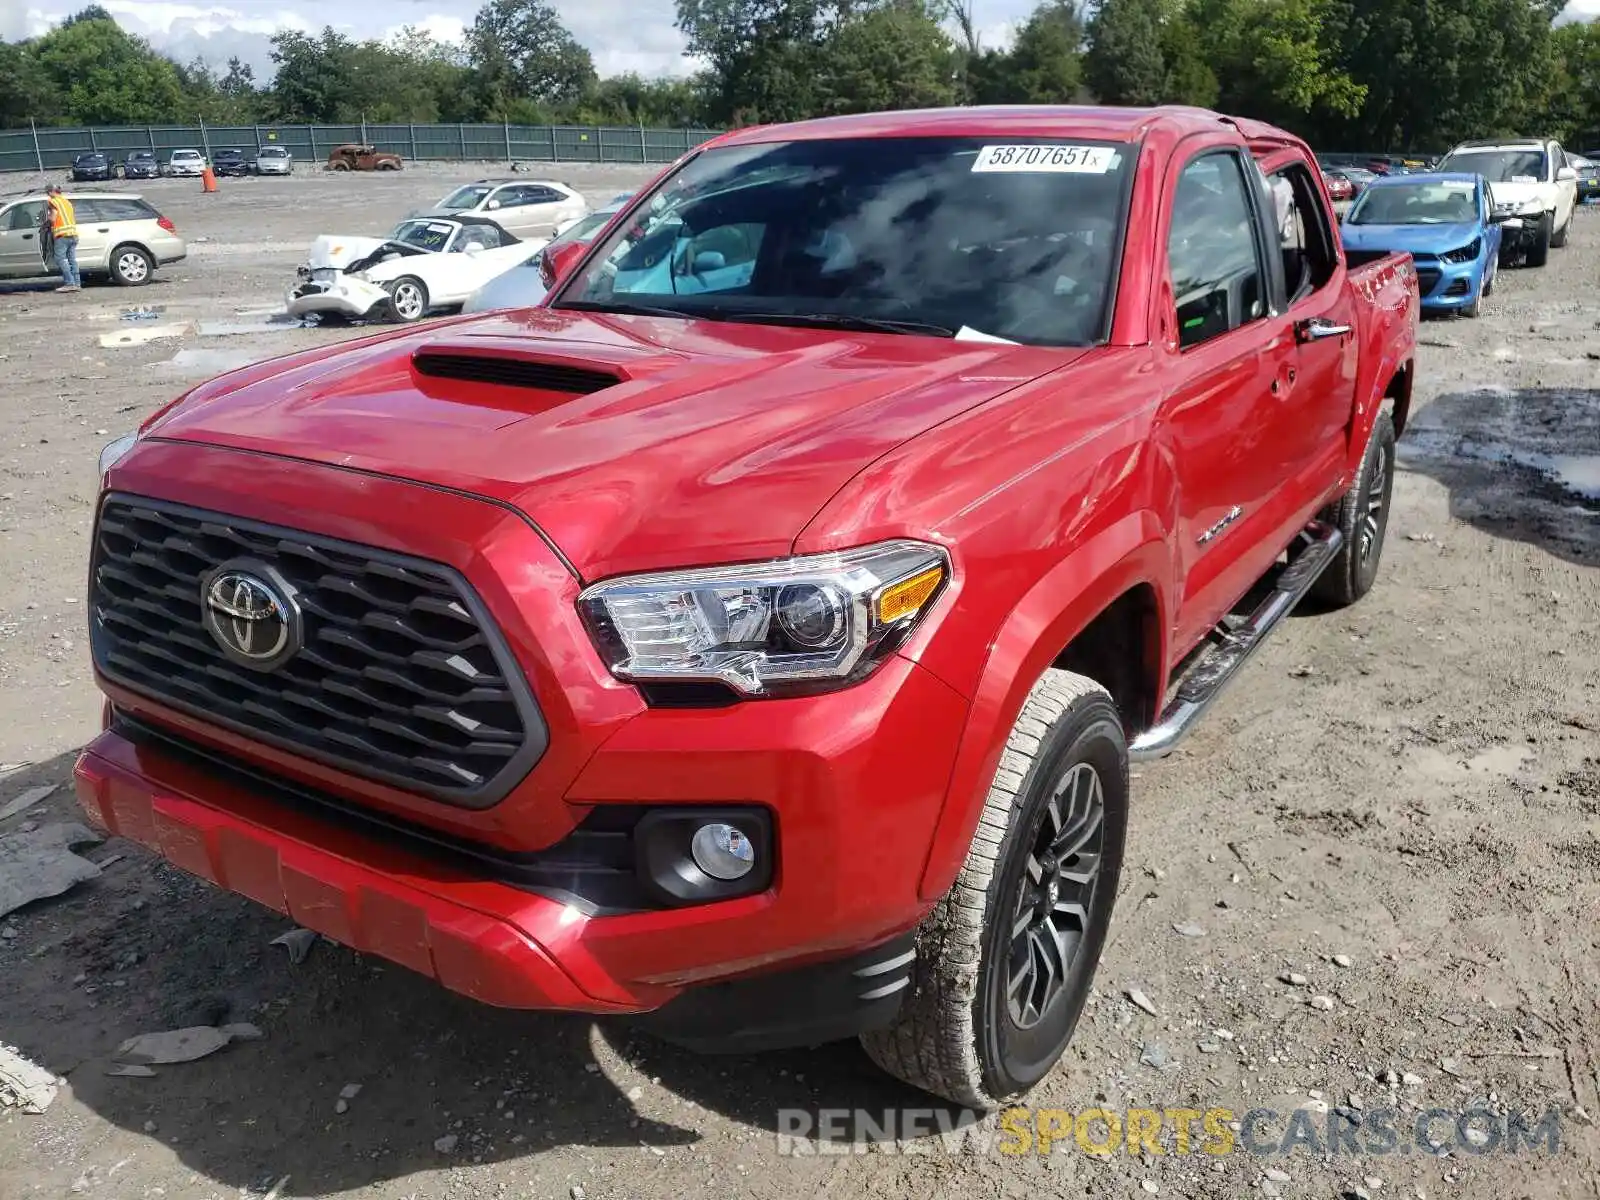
{"type": "Point", "coordinates": [1214, 1131]}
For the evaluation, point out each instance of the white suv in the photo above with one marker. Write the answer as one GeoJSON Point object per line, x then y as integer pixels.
{"type": "Point", "coordinates": [529, 208]}
{"type": "Point", "coordinates": [1533, 182]}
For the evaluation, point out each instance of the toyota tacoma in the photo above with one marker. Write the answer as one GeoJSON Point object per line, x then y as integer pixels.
{"type": "Point", "coordinates": [753, 637]}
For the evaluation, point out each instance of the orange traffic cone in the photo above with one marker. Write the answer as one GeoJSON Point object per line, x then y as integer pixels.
{"type": "Point", "coordinates": [208, 180]}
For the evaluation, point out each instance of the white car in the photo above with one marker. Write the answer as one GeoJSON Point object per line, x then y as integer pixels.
{"type": "Point", "coordinates": [186, 162]}
{"type": "Point", "coordinates": [425, 264]}
{"type": "Point", "coordinates": [524, 286]}
{"type": "Point", "coordinates": [525, 207]}
{"type": "Point", "coordinates": [1534, 184]}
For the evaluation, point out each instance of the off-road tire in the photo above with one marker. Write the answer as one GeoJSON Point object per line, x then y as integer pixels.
{"type": "Point", "coordinates": [1539, 250]}
{"type": "Point", "coordinates": [131, 266]}
{"type": "Point", "coordinates": [396, 290]}
{"type": "Point", "coordinates": [1559, 238]}
{"type": "Point", "coordinates": [1351, 574]}
{"type": "Point", "coordinates": [956, 1036]}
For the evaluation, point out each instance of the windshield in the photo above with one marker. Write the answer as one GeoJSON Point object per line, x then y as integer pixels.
{"type": "Point", "coordinates": [1500, 166]}
{"type": "Point", "coordinates": [464, 198]}
{"type": "Point", "coordinates": [273, 152]}
{"type": "Point", "coordinates": [1417, 204]}
{"type": "Point", "coordinates": [925, 235]}
{"type": "Point", "coordinates": [586, 227]}
{"type": "Point", "coordinates": [186, 154]}
{"type": "Point", "coordinates": [424, 235]}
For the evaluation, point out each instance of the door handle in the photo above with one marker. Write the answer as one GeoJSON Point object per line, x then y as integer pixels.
{"type": "Point", "coordinates": [27, 237]}
{"type": "Point", "coordinates": [104, 229]}
{"type": "Point", "coordinates": [1314, 329]}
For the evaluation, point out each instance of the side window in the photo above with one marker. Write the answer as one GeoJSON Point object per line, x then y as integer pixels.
{"type": "Point", "coordinates": [1304, 237]}
{"type": "Point", "coordinates": [509, 197]}
{"type": "Point", "coordinates": [1217, 276]}
{"type": "Point", "coordinates": [541, 195]}
{"type": "Point", "coordinates": [26, 216]}
{"type": "Point", "coordinates": [88, 211]}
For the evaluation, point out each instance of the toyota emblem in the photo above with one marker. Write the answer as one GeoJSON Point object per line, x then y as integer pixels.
{"type": "Point", "coordinates": [251, 614]}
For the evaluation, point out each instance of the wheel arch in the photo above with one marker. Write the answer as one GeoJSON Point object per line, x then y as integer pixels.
{"type": "Point", "coordinates": [117, 247]}
{"type": "Point", "coordinates": [1108, 599]}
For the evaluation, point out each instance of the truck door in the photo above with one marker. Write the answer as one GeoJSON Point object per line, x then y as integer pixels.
{"type": "Point", "coordinates": [1224, 424]}
{"type": "Point", "coordinates": [1319, 395]}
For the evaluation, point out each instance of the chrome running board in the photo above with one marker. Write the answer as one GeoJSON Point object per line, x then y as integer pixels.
{"type": "Point", "coordinates": [1236, 643]}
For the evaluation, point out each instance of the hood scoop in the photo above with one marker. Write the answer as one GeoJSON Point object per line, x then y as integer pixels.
{"type": "Point", "coordinates": [533, 370]}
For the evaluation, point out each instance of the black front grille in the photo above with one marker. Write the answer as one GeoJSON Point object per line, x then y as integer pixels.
{"type": "Point", "coordinates": [401, 676]}
{"type": "Point", "coordinates": [513, 372]}
{"type": "Point", "coordinates": [1427, 279]}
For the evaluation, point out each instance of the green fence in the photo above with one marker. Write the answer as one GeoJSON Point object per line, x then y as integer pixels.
{"type": "Point", "coordinates": [49, 148]}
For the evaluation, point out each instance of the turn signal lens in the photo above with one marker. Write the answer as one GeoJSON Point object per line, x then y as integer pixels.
{"type": "Point", "coordinates": [905, 599]}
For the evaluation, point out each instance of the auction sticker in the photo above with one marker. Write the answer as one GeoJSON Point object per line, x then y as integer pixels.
{"type": "Point", "coordinates": [1082, 160]}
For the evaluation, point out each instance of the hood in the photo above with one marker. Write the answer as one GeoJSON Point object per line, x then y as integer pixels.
{"type": "Point", "coordinates": [332, 250]}
{"type": "Point", "coordinates": [1520, 191]}
{"type": "Point", "coordinates": [636, 443]}
{"type": "Point", "coordinates": [1413, 239]}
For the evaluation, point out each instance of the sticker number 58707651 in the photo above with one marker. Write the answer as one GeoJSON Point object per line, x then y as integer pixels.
{"type": "Point", "coordinates": [1083, 160]}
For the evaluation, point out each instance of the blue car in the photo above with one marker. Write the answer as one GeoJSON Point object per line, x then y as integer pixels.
{"type": "Point", "coordinates": [1448, 225]}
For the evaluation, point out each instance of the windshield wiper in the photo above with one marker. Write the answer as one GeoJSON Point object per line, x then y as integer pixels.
{"type": "Point", "coordinates": [625, 309]}
{"type": "Point", "coordinates": [842, 321]}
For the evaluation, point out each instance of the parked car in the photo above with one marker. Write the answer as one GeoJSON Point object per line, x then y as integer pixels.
{"type": "Point", "coordinates": [527, 208]}
{"type": "Point", "coordinates": [1447, 223]}
{"type": "Point", "coordinates": [121, 237]}
{"type": "Point", "coordinates": [186, 162]}
{"type": "Point", "coordinates": [141, 164]}
{"type": "Point", "coordinates": [1358, 177]}
{"type": "Point", "coordinates": [425, 264]}
{"type": "Point", "coordinates": [362, 158]}
{"type": "Point", "coordinates": [273, 160]}
{"type": "Point", "coordinates": [92, 166]}
{"type": "Point", "coordinates": [789, 692]}
{"type": "Point", "coordinates": [1588, 178]}
{"type": "Point", "coordinates": [526, 283]}
{"type": "Point", "coordinates": [1534, 188]}
{"type": "Point", "coordinates": [231, 161]}
{"type": "Point", "coordinates": [1340, 189]}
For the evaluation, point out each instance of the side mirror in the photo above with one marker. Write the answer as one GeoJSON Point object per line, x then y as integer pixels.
{"type": "Point", "coordinates": [493, 204]}
{"type": "Point", "coordinates": [1567, 175]}
{"type": "Point", "coordinates": [709, 260]}
{"type": "Point", "coordinates": [560, 259]}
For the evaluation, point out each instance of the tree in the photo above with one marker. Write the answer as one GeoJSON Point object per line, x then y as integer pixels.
{"type": "Point", "coordinates": [1275, 60]}
{"type": "Point", "coordinates": [1575, 86]}
{"type": "Point", "coordinates": [892, 57]}
{"type": "Point", "coordinates": [1124, 64]}
{"type": "Point", "coordinates": [1047, 59]}
{"type": "Point", "coordinates": [26, 90]}
{"type": "Point", "coordinates": [520, 50]}
{"type": "Point", "coordinates": [313, 79]}
{"type": "Point", "coordinates": [105, 76]}
{"type": "Point", "coordinates": [765, 56]}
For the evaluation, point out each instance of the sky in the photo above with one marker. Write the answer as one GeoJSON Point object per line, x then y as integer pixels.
{"type": "Point", "coordinates": [623, 35]}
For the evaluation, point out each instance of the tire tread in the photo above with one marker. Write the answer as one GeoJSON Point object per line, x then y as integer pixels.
{"type": "Point", "coordinates": [932, 1046]}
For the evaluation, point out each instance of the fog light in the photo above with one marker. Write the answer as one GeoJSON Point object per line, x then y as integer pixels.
{"type": "Point", "coordinates": [722, 851]}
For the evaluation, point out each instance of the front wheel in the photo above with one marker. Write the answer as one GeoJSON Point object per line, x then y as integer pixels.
{"type": "Point", "coordinates": [1005, 960]}
{"type": "Point", "coordinates": [1539, 250]}
{"type": "Point", "coordinates": [1559, 238]}
{"type": "Point", "coordinates": [1363, 517]}
{"type": "Point", "coordinates": [408, 299]}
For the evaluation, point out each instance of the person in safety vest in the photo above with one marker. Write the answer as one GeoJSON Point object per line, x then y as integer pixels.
{"type": "Point", "coordinates": [64, 237]}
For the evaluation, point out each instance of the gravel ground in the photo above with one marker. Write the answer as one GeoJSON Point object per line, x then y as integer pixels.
{"type": "Point", "coordinates": [1368, 884]}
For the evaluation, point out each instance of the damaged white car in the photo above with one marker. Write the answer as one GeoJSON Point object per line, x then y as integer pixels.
{"type": "Point", "coordinates": [424, 265]}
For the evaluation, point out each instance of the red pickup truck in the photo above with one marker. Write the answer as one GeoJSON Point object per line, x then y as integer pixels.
{"type": "Point", "coordinates": [754, 636]}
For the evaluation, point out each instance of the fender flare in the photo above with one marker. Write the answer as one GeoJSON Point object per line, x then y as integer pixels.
{"type": "Point", "coordinates": [1130, 553]}
{"type": "Point", "coordinates": [1396, 363]}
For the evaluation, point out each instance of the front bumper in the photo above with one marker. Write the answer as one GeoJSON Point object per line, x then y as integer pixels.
{"type": "Point", "coordinates": [854, 782]}
{"type": "Point", "coordinates": [1446, 286]}
{"type": "Point", "coordinates": [344, 296]}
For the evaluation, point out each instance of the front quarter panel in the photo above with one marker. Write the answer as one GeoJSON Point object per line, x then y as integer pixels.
{"type": "Point", "coordinates": [1052, 508]}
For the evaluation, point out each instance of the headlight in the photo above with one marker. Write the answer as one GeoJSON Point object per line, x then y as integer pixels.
{"type": "Point", "coordinates": [1465, 254]}
{"type": "Point", "coordinates": [114, 451]}
{"type": "Point", "coordinates": [1531, 208]}
{"type": "Point", "coordinates": [767, 629]}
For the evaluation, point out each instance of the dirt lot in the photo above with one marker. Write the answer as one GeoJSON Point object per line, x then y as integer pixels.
{"type": "Point", "coordinates": [1400, 804]}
